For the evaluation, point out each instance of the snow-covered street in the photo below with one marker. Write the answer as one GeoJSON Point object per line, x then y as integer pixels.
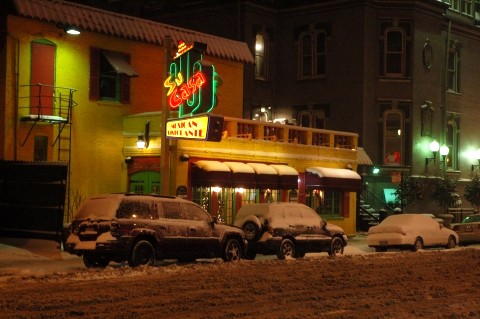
{"type": "Point", "coordinates": [37, 280]}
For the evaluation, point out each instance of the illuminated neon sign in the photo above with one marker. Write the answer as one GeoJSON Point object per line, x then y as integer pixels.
{"type": "Point", "coordinates": [207, 127]}
{"type": "Point", "coordinates": [179, 93]}
{"type": "Point", "coordinates": [192, 82]}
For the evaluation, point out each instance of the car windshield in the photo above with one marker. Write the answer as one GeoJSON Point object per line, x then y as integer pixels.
{"type": "Point", "coordinates": [98, 208]}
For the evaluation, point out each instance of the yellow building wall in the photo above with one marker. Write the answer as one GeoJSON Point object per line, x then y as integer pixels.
{"type": "Point", "coordinates": [97, 132]}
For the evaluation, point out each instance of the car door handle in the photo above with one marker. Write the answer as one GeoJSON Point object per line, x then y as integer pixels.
{"type": "Point", "coordinates": [192, 229]}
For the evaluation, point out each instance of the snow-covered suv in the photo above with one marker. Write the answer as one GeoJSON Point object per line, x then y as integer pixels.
{"type": "Point", "coordinates": [288, 230]}
{"type": "Point", "coordinates": [143, 228]}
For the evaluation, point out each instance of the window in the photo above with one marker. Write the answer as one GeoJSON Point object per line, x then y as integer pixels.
{"type": "Point", "coordinates": [110, 74]}
{"type": "Point", "coordinates": [453, 76]}
{"type": "Point", "coordinates": [261, 51]}
{"type": "Point", "coordinates": [313, 54]}
{"type": "Point", "coordinates": [393, 137]}
{"type": "Point", "coordinates": [395, 48]}
{"type": "Point", "coordinates": [40, 150]}
{"type": "Point", "coordinates": [313, 115]}
{"type": "Point", "coordinates": [467, 7]}
{"type": "Point", "coordinates": [132, 209]}
{"type": "Point", "coordinates": [195, 213]}
{"type": "Point", "coordinates": [455, 5]}
{"type": "Point", "coordinates": [172, 210]}
{"type": "Point", "coordinates": [452, 138]}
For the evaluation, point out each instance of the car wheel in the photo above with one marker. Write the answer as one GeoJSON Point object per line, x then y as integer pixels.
{"type": "Point", "coordinates": [418, 244]}
{"type": "Point", "coordinates": [452, 242]}
{"type": "Point", "coordinates": [142, 253]}
{"type": "Point", "coordinates": [233, 250]}
{"type": "Point", "coordinates": [251, 230]}
{"type": "Point", "coordinates": [336, 247]}
{"type": "Point", "coordinates": [92, 261]}
{"type": "Point", "coordinates": [287, 249]}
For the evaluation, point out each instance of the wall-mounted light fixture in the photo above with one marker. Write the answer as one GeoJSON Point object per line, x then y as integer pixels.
{"type": "Point", "coordinates": [70, 29]}
{"type": "Point", "coordinates": [434, 148]}
{"type": "Point", "coordinates": [477, 157]}
{"type": "Point", "coordinates": [143, 140]}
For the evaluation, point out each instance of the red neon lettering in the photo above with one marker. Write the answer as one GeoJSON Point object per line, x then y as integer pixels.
{"type": "Point", "coordinates": [180, 94]}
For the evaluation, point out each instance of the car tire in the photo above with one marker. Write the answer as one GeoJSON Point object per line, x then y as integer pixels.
{"type": "Point", "coordinates": [142, 253]}
{"type": "Point", "coordinates": [252, 231]}
{"type": "Point", "coordinates": [232, 250]}
{"type": "Point", "coordinates": [336, 247]}
{"type": "Point", "coordinates": [287, 249]}
{"type": "Point", "coordinates": [418, 244]}
{"type": "Point", "coordinates": [452, 242]}
{"type": "Point", "coordinates": [94, 261]}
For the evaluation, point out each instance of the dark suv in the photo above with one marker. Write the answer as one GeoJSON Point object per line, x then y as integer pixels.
{"type": "Point", "coordinates": [288, 230]}
{"type": "Point", "coordinates": [143, 228]}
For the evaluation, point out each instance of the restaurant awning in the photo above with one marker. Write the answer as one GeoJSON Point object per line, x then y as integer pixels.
{"type": "Point", "coordinates": [333, 179]}
{"type": "Point", "coordinates": [287, 176]}
{"type": "Point", "coordinates": [266, 177]}
{"type": "Point", "coordinates": [362, 157]}
{"type": "Point", "coordinates": [211, 174]}
{"type": "Point", "coordinates": [243, 175]}
{"type": "Point", "coordinates": [119, 62]}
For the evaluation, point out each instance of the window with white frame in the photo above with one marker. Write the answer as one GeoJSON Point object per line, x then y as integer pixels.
{"type": "Point", "coordinates": [313, 54]}
{"type": "Point", "coordinates": [455, 5]}
{"type": "Point", "coordinates": [467, 7]}
{"type": "Point", "coordinates": [453, 71]}
{"type": "Point", "coordinates": [261, 51]}
{"type": "Point", "coordinates": [395, 48]}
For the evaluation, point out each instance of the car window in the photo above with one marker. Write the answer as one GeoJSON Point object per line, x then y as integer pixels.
{"type": "Point", "coordinates": [135, 209]}
{"type": "Point", "coordinates": [172, 210]}
{"type": "Point", "coordinates": [293, 214]}
{"type": "Point", "coordinates": [310, 216]}
{"type": "Point", "coordinates": [471, 219]}
{"type": "Point", "coordinates": [194, 212]}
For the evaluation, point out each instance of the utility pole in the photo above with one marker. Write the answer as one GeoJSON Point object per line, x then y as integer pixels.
{"type": "Point", "coordinates": [165, 143]}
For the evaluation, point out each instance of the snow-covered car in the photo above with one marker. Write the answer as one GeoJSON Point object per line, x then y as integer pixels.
{"type": "Point", "coordinates": [143, 228]}
{"type": "Point", "coordinates": [288, 230]}
{"type": "Point", "coordinates": [410, 231]}
{"type": "Point", "coordinates": [468, 230]}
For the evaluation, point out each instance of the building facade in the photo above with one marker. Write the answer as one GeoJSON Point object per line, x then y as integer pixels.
{"type": "Point", "coordinates": [88, 99]}
{"type": "Point", "coordinates": [401, 74]}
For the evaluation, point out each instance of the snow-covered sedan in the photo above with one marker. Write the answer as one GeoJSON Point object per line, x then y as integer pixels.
{"type": "Point", "coordinates": [468, 230]}
{"type": "Point", "coordinates": [410, 231]}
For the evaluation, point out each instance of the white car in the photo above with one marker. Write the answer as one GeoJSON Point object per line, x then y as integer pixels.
{"type": "Point", "coordinates": [410, 231]}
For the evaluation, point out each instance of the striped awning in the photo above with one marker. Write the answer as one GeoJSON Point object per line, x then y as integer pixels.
{"type": "Point", "coordinates": [332, 178]}
{"type": "Point", "coordinates": [206, 173]}
{"type": "Point", "coordinates": [362, 157]}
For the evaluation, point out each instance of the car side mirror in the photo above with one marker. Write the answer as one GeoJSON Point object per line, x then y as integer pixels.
{"type": "Point", "coordinates": [213, 221]}
{"type": "Point", "coordinates": [323, 223]}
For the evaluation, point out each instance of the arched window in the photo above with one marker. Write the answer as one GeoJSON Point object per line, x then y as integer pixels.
{"type": "Point", "coordinates": [261, 50]}
{"type": "Point", "coordinates": [394, 137]}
